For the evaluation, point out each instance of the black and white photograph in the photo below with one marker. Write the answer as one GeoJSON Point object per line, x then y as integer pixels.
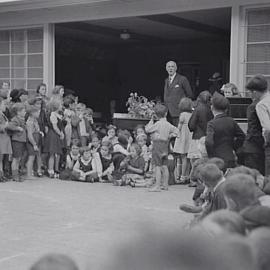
{"type": "Point", "coordinates": [135, 134]}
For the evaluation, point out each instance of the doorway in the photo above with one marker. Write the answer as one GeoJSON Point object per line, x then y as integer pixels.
{"type": "Point", "coordinates": [105, 60]}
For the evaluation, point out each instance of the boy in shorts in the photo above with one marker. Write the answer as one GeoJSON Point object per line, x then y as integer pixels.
{"type": "Point", "coordinates": [161, 133]}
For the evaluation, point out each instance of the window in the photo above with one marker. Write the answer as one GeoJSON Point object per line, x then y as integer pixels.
{"type": "Point", "coordinates": [257, 43]}
{"type": "Point", "coordinates": [21, 58]}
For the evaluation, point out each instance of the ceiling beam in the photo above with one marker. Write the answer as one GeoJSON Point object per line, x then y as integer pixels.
{"type": "Point", "coordinates": [188, 24]}
{"type": "Point", "coordinates": [115, 33]}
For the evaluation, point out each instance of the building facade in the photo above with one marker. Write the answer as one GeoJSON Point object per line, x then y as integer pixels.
{"type": "Point", "coordinates": [27, 37]}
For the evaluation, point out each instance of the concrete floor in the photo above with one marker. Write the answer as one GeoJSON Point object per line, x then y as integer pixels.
{"type": "Point", "coordinates": [85, 221]}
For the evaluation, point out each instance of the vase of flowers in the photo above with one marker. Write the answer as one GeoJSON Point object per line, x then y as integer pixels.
{"type": "Point", "coordinates": [140, 106]}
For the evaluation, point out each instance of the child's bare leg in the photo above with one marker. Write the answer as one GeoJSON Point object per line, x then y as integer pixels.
{"type": "Point", "coordinates": [51, 165]}
{"type": "Point", "coordinates": [57, 160]}
{"type": "Point", "coordinates": [39, 163]}
{"type": "Point", "coordinates": [29, 165]}
{"type": "Point", "coordinates": [15, 169]}
{"type": "Point", "coordinates": [158, 176]}
{"type": "Point", "coordinates": [165, 177]}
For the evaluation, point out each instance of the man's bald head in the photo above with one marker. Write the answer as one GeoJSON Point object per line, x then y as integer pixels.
{"type": "Point", "coordinates": [171, 68]}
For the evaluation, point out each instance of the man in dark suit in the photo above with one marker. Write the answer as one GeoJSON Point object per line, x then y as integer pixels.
{"type": "Point", "coordinates": [176, 87]}
{"type": "Point", "coordinates": [223, 134]}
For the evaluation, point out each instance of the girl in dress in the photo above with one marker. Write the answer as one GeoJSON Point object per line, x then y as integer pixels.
{"type": "Point", "coordinates": [5, 142]}
{"type": "Point", "coordinates": [201, 115]}
{"type": "Point", "coordinates": [33, 142]}
{"type": "Point", "coordinates": [54, 141]}
{"type": "Point", "coordinates": [42, 92]}
{"type": "Point", "coordinates": [183, 141]}
{"type": "Point", "coordinates": [58, 93]}
{"type": "Point", "coordinates": [86, 168]}
{"type": "Point", "coordinates": [105, 155]}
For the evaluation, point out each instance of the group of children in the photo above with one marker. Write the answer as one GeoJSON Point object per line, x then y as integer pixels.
{"type": "Point", "coordinates": [57, 137]}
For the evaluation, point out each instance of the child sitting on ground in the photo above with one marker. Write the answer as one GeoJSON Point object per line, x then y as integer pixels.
{"type": "Point", "coordinates": [86, 168]}
{"type": "Point", "coordinates": [111, 135]}
{"type": "Point", "coordinates": [95, 144]}
{"type": "Point", "coordinates": [106, 159]}
{"type": "Point", "coordinates": [133, 167]}
{"type": "Point", "coordinates": [161, 132]}
{"type": "Point", "coordinates": [72, 157]}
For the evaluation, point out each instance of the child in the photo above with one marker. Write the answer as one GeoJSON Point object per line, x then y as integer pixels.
{"type": "Point", "coordinates": [141, 141]}
{"type": "Point", "coordinates": [5, 143]}
{"type": "Point", "coordinates": [106, 159]}
{"type": "Point", "coordinates": [95, 144]}
{"type": "Point", "coordinates": [111, 135]}
{"type": "Point", "coordinates": [183, 141]}
{"type": "Point", "coordinates": [54, 140]}
{"type": "Point", "coordinates": [18, 138]}
{"type": "Point", "coordinates": [161, 132]}
{"type": "Point", "coordinates": [223, 136]}
{"type": "Point", "coordinates": [139, 130]}
{"type": "Point", "coordinates": [33, 141]}
{"type": "Point", "coordinates": [68, 114]}
{"type": "Point", "coordinates": [86, 168]}
{"type": "Point", "coordinates": [134, 167]}
{"type": "Point", "coordinates": [198, 123]}
{"type": "Point", "coordinates": [72, 157]}
{"type": "Point", "coordinates": [213, 179]}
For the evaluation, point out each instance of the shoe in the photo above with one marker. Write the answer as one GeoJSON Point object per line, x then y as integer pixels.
{"type": "Point", "coordinates": [39, 174]}
{"type": "Point", "coordinates": [164, 188]}
{"type": "Point", "coordinates": [132, 183]}
{"type": "Point", "coordinates": [155, 189]}
{"type": "Point", "coordinates": [51, 175]}
{"type": "Point", "coordinates": [190, 208]}
{"type": "Point", "coordinates": [178, 180]}
{"type": "Point", "coordinates": [192, 184]}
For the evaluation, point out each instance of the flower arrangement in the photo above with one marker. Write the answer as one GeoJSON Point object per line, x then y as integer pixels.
{"type": "Point", "coordinates": [140, 106]}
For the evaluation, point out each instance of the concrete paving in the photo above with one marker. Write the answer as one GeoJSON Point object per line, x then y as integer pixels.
{"type": "Point", "coordinates": [85, 221]}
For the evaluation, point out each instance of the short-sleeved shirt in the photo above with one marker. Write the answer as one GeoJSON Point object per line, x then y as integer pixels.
{"type": "Point", "coordinates": [137, 163]}
{"type": "Point", "coordinates": [33, 125]}
{"type": "Point", "coordinates": [54, 117]}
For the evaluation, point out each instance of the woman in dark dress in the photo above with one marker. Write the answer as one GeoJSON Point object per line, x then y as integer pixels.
{"type": "Point", "coordinates": [54, 140]}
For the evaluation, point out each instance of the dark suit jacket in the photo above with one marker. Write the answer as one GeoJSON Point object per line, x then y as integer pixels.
{"type": "Point", "coordinates": [175, 91]}
{"type": "Point", "coordinates": [254, 142]}
{"type": "Point", "coordinates": [199, 120]}
{"type": "Point", "coordinates": [223, 136]}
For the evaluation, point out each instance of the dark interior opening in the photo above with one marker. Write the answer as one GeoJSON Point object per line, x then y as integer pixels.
{"type": "Point", "coordinates": [93, 60]}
